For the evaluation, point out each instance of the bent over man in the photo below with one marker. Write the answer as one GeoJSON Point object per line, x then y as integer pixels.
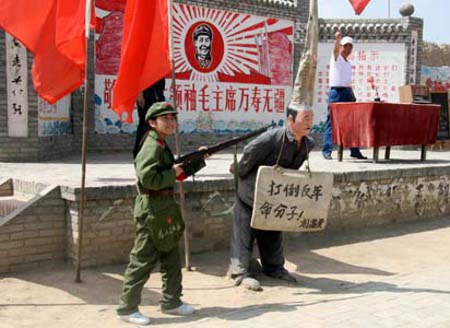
{"type": "Point", "coordinates": [288, 146]}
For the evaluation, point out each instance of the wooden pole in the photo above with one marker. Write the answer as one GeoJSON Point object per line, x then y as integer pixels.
{"type": "Point", "coordinates": [84, 143]}
{"type": "Point", "coordinates": [187, 246]}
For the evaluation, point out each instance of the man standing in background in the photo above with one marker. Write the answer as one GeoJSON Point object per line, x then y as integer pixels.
{"type": "Point", "coordinates": [287, 147]}
{"type": "Point", "coordinates": [341, 89]}
{"type": "Point", "coordinates": [145, 100]}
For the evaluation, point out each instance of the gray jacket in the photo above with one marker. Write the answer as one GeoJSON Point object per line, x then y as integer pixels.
{"type": "Point", "coordinates": [265, 150]}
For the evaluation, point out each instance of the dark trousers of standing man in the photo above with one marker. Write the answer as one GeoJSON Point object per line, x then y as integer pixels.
{"type": "Point", "coordinates": [337, 94]}
{"type": "Point", "coordinates": [152, 94]}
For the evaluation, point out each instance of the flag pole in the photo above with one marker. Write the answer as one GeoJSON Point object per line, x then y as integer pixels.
{"type": "Point", "coordinates": [187, 246]}
{"type": "Point", "coordinates": [84, 142]}
{"type": "Point", "coordinates": [389, 8]}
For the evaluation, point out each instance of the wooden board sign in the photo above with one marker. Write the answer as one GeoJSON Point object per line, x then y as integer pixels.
{"type": "Point", "coordinates": [291, 200]}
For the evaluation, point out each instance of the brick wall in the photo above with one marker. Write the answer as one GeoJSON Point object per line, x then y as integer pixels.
{"type": "Point", "coordinates": [34, 235]}
{"type": "Point", "coordinates": [109, 228]}
{"type": "Point", "coordinates": [46, 231]}
{"type": "Point", "coordinates": [372, 198]}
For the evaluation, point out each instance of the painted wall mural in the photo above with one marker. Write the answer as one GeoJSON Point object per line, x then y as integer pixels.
{"type": "Point", "coordinates": [385, 62]}
{"type": "Point", "coordinates": [108, 42]}
{"type": "Point", "coordinates": [436, 78]}
{"type": "Point", "coordinates": [54, 120]}
{"type": "Point", "coordinates": [233, 71]}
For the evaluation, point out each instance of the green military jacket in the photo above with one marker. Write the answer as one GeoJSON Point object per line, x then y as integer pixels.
{"type": "Point", "coordinates": [161, 214]}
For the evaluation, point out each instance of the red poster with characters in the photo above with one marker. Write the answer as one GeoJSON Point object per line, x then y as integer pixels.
{"type": "Point", "coordinates": [234, 71]}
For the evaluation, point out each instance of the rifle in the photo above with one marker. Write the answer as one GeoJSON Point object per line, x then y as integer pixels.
{"type": "Point", "coordinates": [200, 154]}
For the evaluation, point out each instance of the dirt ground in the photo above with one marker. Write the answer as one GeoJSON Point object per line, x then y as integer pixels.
{"type": "Point", "coordinates": [350, 276]}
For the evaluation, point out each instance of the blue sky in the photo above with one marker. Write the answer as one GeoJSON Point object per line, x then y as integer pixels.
{"type": "Point", "coordinates": [435, 14]}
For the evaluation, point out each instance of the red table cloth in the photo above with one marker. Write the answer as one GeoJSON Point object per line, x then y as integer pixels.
{"type": "Point", "coordinates": [376, 124]}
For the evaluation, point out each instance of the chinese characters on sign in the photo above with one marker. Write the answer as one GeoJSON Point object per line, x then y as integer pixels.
{"type": "Point", "coordinates": [289, 200]}
{"type": "Point", "coordinates": [385, 62]}
{"type": "Point", "coordinates": [222, 107]}
{"type": "Point", "coordinates": [413, 57]}
{"type": "Point", "coordinates": [16, 87]}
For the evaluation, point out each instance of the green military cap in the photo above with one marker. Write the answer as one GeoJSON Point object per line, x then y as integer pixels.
{"type": "Point", "coordinates": [159, 109]}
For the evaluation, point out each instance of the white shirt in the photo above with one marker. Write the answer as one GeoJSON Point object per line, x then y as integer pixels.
{"type": "Point", "coordinates": [340, 72]}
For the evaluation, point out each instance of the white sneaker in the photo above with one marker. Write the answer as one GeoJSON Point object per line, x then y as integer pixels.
{"type": "Point", "coordinates": [137, 318]}
{"type": "Point", "coordinates": [184, 309]}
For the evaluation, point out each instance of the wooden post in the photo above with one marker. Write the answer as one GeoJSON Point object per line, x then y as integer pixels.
{"type": "Point", "coordinates": [423, 153]}
{"type": "Point", "coordinates": [375, 154]}
{"type": "Point", "coordinates": [387, 154]}
{"type": "Point", "coordinates": [84, 143]}
{"type": "Point", "coordinates": [340, 153]}
{"type": "Point", "coordinates": [187, 246]}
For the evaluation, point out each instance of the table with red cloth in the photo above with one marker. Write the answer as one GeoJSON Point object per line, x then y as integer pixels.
{"type": "Point", "coordinates": [376, 124]}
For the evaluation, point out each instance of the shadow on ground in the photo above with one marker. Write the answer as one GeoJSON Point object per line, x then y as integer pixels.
{"type": "Point", "coordinates": [103, 286]}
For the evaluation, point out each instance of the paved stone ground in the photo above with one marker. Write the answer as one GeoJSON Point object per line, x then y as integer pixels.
{"type": "Point", "coordinates": [392, 276]}
{"type": "Point", "coordinates": [117, 169]}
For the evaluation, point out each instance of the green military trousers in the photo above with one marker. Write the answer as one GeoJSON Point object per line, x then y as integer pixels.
{"type": "Point", "coordinates": [143, 259]}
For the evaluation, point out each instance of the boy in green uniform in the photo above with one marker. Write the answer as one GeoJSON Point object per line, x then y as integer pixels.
{"type": "Point", "coordinates": [159, 225]}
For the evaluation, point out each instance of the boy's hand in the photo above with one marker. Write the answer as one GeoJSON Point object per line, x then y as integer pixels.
{"type": "Point", "coordinates": [178, 169]}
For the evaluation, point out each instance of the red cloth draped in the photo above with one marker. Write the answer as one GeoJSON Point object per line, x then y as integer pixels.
{"type": "Point", "coordinates": [145, 55]}
{"type": "Point", "coordinates": [54, 31]}
{"type": "Point", "coordinates": [384, 124]}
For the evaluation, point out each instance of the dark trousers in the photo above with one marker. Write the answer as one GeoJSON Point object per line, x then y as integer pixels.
{"type": "Point", "coordinates": [336, 95]}
{"type": "Point", "coordinates": [142, 129]}
{"type": "Point", "coordinates": [270, 244]}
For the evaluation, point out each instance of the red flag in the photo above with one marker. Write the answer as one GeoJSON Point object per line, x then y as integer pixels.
{"type": "Point", "coordinates": [359, 5]}
{"type": "Point", "coordinates": [145, 57]}
{"type": "Point", "coordinates": [53, 30]}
